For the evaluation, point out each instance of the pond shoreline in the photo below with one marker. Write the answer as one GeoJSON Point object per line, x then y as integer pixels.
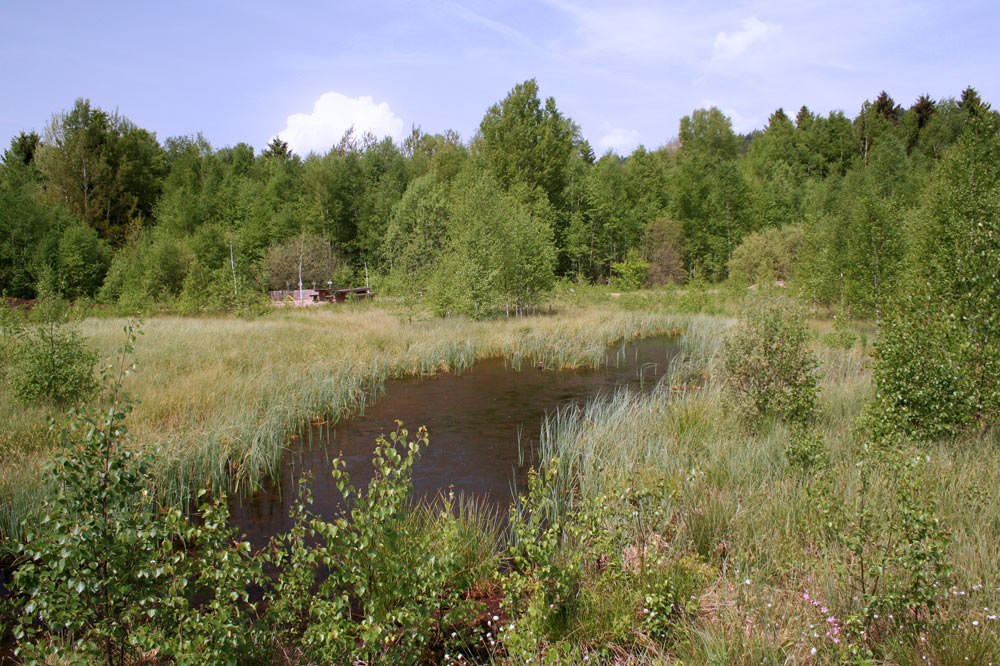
{"type": "Point", "coordinates": [483, 423]}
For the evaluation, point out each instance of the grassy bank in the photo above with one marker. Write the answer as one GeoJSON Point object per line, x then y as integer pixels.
{"type": "Point", "coordinates": [752, 558]}
{"type": "Point", "coordinates": [219, 397]}
{"type": "Point", "coordinates": [660, 529]}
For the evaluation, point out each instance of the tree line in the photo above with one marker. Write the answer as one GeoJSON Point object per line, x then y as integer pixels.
{"type": "Point", "coordinates": [100, 208]}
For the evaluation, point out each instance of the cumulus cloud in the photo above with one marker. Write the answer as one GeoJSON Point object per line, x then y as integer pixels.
{"type": "Point", "coordinates": [621, 140]}
{"type": "Point", "coordinates": [727, 47]}
{"type": "Point", "coordinates": [332, 115]}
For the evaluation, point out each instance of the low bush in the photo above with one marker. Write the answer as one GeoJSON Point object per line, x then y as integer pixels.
{"type": "Point", "coordinates": [770, 370]}
{"type": "Point", "coordinates": [630, 273]}
{"type": "Point", "coordinates": [766, 255]}
{"type": "Point", "coordinates": [108, 575]}
{"type": "Point", "coordinates": [382, 583]}
{"type": "Point", "coordinates": [49, 361]}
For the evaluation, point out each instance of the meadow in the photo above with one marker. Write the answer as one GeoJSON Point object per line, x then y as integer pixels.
{"type": "Point", "coordinates": [220, 396]}
{"type": "Point", "coordinates": [660, 529]}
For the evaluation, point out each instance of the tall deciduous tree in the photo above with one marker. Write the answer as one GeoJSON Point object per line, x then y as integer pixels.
{"type": "Point", "coordinates": [527, 141]}
{"type": "Point", "coordinates": [104, 168]}
{"type": "Point", "coordinates": [418, 228]}
{"type": "Point", "coordinates": [29, 225]}
{"type": "Point", "coordinates": [711, 193]}
{"type": "Point", "coordinates": [502, 255]}
{"type": "Point", "coordinates": [938, 367]}
{"type": "Point", "coordinates": [875, 228]}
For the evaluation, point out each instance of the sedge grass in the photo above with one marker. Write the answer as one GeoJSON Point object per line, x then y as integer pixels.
{"type": "Point", "coordinates": [759, 521]}
{"type": "Point", "coordinates": [218, 398]}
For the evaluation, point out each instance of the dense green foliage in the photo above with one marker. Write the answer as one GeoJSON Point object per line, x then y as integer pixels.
{"type": "Point", "coordinates": [766, 256]}
{"type": "Point", "coordinates": [108, 575]}
{"type": "Point", "coordinates": [939, 354]}
{"type": "Point", "coordinates": [47, 360]}
{"type": "Point", "coordinates": [770, 370]}
{"type": "Point", "coordinates": [384, 582]}
{"type": "Point", "coordinates": [112, 212]}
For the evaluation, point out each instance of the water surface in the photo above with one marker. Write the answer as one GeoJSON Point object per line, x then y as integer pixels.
{"type": "Point", "coordinates": [483, 426]}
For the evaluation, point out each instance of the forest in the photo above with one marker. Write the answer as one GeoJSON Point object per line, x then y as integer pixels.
{"type": "Point", "coordinates": [100, 209]}
{"type": "Point", "coordinates": [813, 477]}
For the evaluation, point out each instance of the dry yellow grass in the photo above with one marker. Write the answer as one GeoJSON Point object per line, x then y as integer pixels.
{"type": "Point", "coordinates": [218, 397]}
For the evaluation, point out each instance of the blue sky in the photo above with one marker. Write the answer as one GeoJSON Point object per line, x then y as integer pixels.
{"type": "Point", "coordinates": [626, 72]}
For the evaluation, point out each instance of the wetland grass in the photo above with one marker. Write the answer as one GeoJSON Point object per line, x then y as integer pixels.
{"type": "Point", "coordinates": [219, 398]}
{"type": "Point", "coordinates": [732, 498]}
{"type": "Point", "coordinates": [675, 476]}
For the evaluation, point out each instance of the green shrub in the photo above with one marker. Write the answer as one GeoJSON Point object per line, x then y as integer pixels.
{"type": "Point", "coordinates": [630, 273]}
{"type": "Point", "coordinates": [805, 449]}
{"type": "Point", "coordinates": [671, 594]}
{"type": "Point", "coordinates": [767, 255]}
{"type": "Point", "coordinates": [83, 260]}
{"type": "Point", "coordinates": [937, 370]}
{"type": "Point", "coordinates": [841, 337]}
{"type": "Point", "coordinates": [107, 575]}
{"type": "Point", "coordinates": [12, 331]}
{"type": "Point", "coordinates": [51, 362]}
{"type": "Point", "coordinates": [894, 556]}
{"type": "Point", "coordinates": [380, 583]}
{"type": "Point", "coordinates": [922, 387]}
{"type": "Point", "coordinates": [770, 370]}
{"type": "Point", "coordinates": [662, 248]}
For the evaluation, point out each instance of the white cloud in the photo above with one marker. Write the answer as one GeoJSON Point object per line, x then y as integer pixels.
{"type": "Point", "coordinates": [621, 140]}
{"type": "Point", "coordinates": [332, 115]}
{"type": "Point", "coordinates": [728, 47]}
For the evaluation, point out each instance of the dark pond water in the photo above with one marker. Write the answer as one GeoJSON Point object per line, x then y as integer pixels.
{"type": "Point", "coordinates": [483, 427]}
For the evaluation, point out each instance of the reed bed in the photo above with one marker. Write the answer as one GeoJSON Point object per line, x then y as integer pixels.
{"type": "Point", "coordinates": [733, 498]}
{"type": "Point", "coordinates": [218, 398]}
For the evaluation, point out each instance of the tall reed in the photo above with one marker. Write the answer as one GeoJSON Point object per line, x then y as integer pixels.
{"type": "Point", "coordinates": [219, 398]}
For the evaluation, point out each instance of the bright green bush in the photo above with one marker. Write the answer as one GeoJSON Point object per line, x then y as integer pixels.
{"type": "Point", "coordinates": [108, 575]}
{"type": "Point", "coordinates": [767, 255]}
{"type": "Point", "coordinates": [895, 550]}
{"type": "Point", "coordinates": [630, 273]}
{"type": "Point", "coordinates": [770, 370]}
{"type": "Point", "coordinates": [83, 259]}
{"type": "Point", "coordinates": [51, 362]}
{"type": "Point", "coordinates": [380, 583]}
{"type": "Point", "coordinates": [937, 370]}
{"type": "Point", "coordinates": [923, 389]}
